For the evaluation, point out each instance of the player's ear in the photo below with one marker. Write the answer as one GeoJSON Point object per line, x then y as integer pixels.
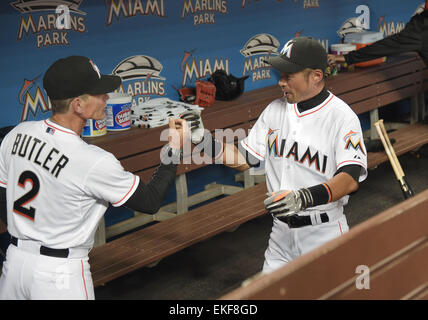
{"type": "Point", "coordinates": [317, 75]}
{"type": "Point", "coordinates": [76, 105]}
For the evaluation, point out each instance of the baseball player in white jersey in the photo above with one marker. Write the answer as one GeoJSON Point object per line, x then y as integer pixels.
{"type": "Point", "coordinates": [312, 145]}
{"type": "Point", "coordinates": [58, 187]}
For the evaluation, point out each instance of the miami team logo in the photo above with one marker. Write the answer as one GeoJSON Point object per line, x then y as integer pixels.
{"type": "Point", "coordinates": [141, 78]}
{"type": "Point", "coordinates": [299, 152]}
{"type": "Point", "coordinates": [352, 140]}
{"type": "Point", "coordinates": [131, 8]}
{"type": "Point", "coordinates": [203, 11]}
{"type": "Point", "coordinates": [389, 28]}
{"type": "Point", "coordinates": [50, 22]}
{"type": "Point", "coordinates": [272, 139]}
{"type": "Point", "coordinates": [33, 100]}
{"type": "Point", "coordinates": [194, 68]}
{"type": "Point", "coordinates": [255, 51]}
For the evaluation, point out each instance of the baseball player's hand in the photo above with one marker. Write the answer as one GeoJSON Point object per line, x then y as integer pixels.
{"type": "Point", "coordinates": [287, 202]}
{"type": "Point", "coordinates": [179, 133]}
{"type": "Point", "coordinates": [335, 59]}
{"type": "Point", "coordinates": [194, 119]}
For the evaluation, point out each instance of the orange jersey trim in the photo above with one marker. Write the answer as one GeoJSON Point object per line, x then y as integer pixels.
{"type": "Point", "coordinates": [328, 191]}
{"type": "Point", "coordinates": [52, 126]}
{"type": "Point", "coordinates": [353, 161]}
{"type": "Point", "coordinates": [304, 115]}
{"type": "Point", "coordinates": [253, 150]}
{"type": "Point", "coordinates": [135, 179]}
{"type": "Point", "coordinates": [84, 282]}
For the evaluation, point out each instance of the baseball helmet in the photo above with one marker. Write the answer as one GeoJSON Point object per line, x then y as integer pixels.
{"type": "Point", "coordinates": [228, 86]}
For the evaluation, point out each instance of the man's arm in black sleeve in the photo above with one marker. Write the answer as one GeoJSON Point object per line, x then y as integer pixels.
{"type": "Point", "coordinates": [148, 197]}
{"type": "Point", "coordinates": [409, 39]}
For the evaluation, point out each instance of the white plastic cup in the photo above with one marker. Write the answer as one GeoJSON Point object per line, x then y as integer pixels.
{"type": "Point", "coordinates": [118, 111]}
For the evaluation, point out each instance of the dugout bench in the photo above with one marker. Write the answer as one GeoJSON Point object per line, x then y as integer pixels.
{"type": "Point", "coordinates": [365, 90]}
{"type": "Point", "coordinates": [382, 258]}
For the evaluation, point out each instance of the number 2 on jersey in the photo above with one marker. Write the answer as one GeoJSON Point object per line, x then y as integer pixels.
{"type": "Point", "coordinates": [18, 205]}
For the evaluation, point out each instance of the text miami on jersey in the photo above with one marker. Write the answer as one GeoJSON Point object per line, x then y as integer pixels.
{"type": "Point", "coordinates": [307, 156]}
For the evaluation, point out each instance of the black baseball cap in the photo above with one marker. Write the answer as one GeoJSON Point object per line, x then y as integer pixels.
{"type": "Point", "coordinates": [298, 54]}
{"type": "Point", "coordinates": [76, 75]}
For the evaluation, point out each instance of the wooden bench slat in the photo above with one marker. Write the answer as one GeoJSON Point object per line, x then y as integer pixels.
{"type": "Point", "coordinates": [363, 77]}
{"type": "Point", "coordinates": [407, 138]}
{"type": "Point", "coordinates": [110, 253]}
{"type": "Point", "coordinates": [129, 142]}
{"type": "Point", "coordinates": [384, 99]}
{"type": "Point", "coordinates": [172, 243]}
{"type": "Point", "coordinates": [410, 80]}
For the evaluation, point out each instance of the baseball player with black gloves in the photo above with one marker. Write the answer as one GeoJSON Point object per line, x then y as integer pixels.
{"type": "Point", "coordinates": [59, 187]}
{"type": "Point", "coordinates": [312, 145]}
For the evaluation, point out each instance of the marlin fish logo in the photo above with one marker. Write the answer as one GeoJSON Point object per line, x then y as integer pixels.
{"type": "Point", "coordinates": [273, 142]}
{"type": "Point", "coordinates": [27, 86]}
{"type": "Point", "coordinates": [26, 6]}
{"type": "Point", "coordinates": [379, 22]}
{"type": "Point", "coordinates": [186, 56]}
{"type": "Point", "coordinates": [350, 143]}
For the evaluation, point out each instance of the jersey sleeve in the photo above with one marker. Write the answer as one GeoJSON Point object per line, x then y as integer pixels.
{"type": "Point", "coordinates": [350, 148]}
{"type": "Point", "coordinates": [255, 142]}
{"type": "Point", "coordinates": [4, 162]}
{"type": "Point", "coordinates": [108, 180]}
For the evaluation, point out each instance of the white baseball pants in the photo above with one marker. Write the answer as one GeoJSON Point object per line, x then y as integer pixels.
{"type": "Point", "coordinates": [28, 275]}
{"type": "Point", "coordinates": [286, 244]}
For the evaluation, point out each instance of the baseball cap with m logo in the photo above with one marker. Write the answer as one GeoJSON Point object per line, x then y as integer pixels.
{"type": "Point", "coordinates": [76, 75]}
{"type": "Point", "coordinates": [298, 54]}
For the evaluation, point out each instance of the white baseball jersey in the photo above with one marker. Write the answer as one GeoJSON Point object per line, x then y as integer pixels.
{"type": "Point", "coordinates": [306, 149]}
{"type": "Point", "coordinates": [58, 186]}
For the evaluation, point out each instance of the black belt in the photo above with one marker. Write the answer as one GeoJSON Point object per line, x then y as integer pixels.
{"type": "Point", "coordinates": [57, 253]}
{"type": "Point", "coordinates": [295, 221]}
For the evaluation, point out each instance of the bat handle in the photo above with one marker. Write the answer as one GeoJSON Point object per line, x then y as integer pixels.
{"type": "Point", "coordinates": [405, 187]}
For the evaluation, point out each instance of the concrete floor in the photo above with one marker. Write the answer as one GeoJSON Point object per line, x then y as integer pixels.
{"type": "Point", "coordinates": [216, 266]}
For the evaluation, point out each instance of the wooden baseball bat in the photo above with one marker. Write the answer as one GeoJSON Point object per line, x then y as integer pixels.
{"type": "Point", "coordinates": [390, 152]}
